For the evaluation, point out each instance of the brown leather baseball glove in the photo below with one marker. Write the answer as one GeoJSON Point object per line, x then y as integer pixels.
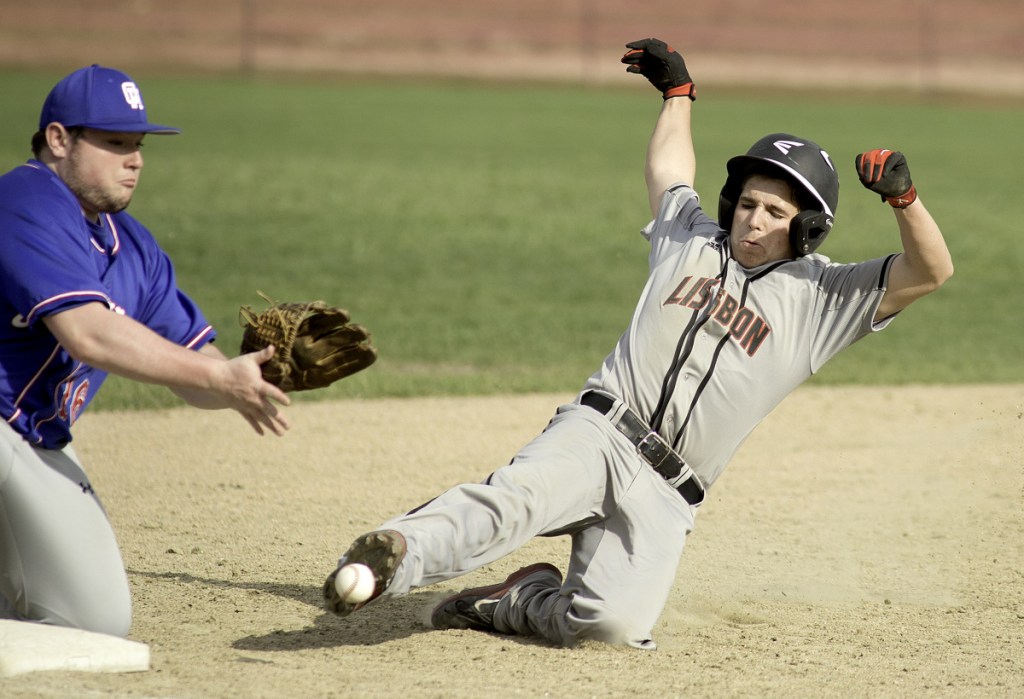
{"type": "Point", "coordinates": [316, 343]}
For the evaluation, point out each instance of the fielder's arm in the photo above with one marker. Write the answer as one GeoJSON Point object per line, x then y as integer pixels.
{"type": "Point", "coordinates": [95, 335]}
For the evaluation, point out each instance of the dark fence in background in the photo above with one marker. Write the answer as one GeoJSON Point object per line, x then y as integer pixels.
{"type": "Point", "coordinates": [925, 45]}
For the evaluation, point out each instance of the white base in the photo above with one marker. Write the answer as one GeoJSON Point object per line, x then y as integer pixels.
{"type": "Point", "coordinates": [30, 647]}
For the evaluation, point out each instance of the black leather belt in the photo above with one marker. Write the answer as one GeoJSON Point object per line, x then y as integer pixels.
{"type": "Point", "coordinates": [650, 445]}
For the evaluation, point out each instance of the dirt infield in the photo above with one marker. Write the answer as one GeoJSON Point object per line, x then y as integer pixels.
{"type": "Point", "coordinates": [864, 542]}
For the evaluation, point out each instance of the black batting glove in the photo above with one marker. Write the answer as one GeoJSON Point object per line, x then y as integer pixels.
{"type": "Point", "coordinates": [886, 173]}
{"type": "Point", "coordinates": [659, 63]}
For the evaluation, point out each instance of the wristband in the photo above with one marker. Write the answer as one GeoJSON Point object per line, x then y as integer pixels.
{"type": "Point", "coordinates": [904, 200]}
{"type": "Point", "coordinates": [684, 90]}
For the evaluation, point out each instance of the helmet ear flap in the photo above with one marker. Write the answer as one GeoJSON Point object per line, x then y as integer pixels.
{"type": "Point", "coordinates": [807, 231]}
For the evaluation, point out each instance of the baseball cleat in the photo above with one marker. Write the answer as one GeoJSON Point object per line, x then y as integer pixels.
{"type": "Point", "coordinates": [473, 608]}
{"type": "Point", "coordinates": [382, 552]}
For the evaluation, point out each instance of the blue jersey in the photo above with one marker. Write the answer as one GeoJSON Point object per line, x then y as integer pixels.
{"type": "Point", "coordinates": [52, 259]}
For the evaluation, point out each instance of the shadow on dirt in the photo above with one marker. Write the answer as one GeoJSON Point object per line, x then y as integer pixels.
{"type": "Point", "coordinates": [381, 622]}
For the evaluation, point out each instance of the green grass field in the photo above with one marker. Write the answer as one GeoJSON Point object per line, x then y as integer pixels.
{"type": "Point", "coordinates": [489, 236]}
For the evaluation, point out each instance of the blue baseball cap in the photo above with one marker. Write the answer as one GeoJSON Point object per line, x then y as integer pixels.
{"type": "Point", "coordinates": [99, 98]}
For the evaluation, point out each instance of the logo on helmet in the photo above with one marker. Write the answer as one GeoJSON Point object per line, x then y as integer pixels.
{"type": "Point", "coordinates": [786, 146]}
{"type": "Point", "coordinates": [828, 159]}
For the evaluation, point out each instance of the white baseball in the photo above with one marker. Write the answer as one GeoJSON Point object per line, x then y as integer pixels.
{"type": "Point", "coordinates": [354, 583]}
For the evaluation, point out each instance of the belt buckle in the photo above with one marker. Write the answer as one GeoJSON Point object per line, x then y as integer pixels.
{"type": "Point", "coordinates": [655, 451]}
{"type": "Point", "coordinates": [667, 464]}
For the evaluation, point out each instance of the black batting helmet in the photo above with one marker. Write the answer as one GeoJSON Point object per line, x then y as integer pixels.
{"type": "Point", "coordinates": [803, 163]}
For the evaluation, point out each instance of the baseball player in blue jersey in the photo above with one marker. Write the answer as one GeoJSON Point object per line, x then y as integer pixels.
{"type": "Point", "coordinates": [85, 290]}
{"type": "Point", "coordinates": [734, 315]}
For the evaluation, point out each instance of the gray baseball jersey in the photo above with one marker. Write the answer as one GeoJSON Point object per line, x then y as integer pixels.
{"type": "Point", "coordinates": [711, 349]}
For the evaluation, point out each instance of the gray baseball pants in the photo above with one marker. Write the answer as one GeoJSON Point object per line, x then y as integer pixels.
{"type": "Point", "coordinates": [579, 477]}
{"type": "Point", "coordinates": [59, 559]}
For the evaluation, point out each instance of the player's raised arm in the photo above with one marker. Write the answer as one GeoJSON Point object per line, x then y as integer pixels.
{"type": "Point", "coordinates": [670, 155]}
{"type": "Point", "coordinates": [925, 264]}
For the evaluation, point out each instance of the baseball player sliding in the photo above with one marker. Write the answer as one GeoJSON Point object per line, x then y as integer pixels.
{"type": "Point", "coordinates": [734, 315]}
